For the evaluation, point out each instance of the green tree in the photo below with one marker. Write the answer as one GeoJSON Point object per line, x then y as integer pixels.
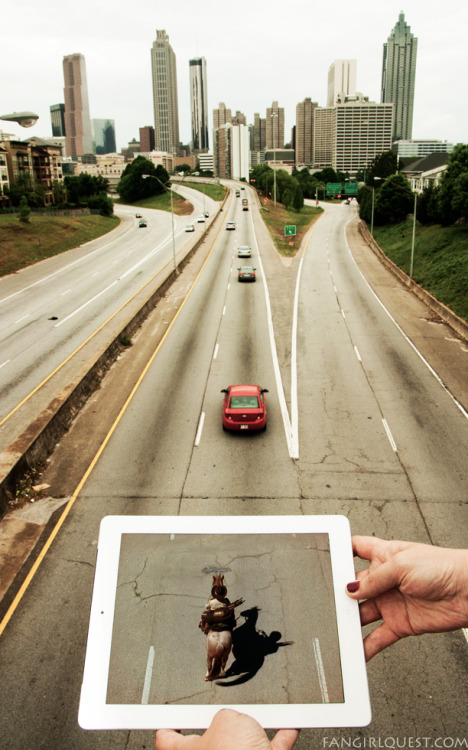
{"type": "Point", "coordinates": [136, 183]}
{"type": "Point", "coordinates": [24, 210]}
{"type": "Point", "coordinates": [383, 165]}
{"type": "Point", "coordinates": [393, 201]}
{"type": "Point", "coordinates": [453, 188]}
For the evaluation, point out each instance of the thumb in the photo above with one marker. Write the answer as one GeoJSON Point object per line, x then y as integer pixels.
{"type": "Point", "coordinates": [375, 582]}
{"type": "Point", "coordinates": [169, 739]}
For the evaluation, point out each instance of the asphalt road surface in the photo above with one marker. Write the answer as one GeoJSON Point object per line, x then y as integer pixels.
{"type": "Point", "coordinates": [376, 438]}
{"type": "Point", "coordinates": [49, 309]}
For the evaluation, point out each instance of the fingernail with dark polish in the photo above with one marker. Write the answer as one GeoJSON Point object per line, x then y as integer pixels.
{"type": "Point", "coordinates": [353, 587]}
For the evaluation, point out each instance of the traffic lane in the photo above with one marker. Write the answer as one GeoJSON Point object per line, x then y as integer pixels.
{"type": "Point", "coordinates": [429, 431]}
{"type": "Point", "coordinates": [40, 343]}
{"type": "Point", "coordinates": [343, 447]}
{"type": "Point", "coordinates": [155, 437]}
{"type": "Point", "coordinates": [163, 586]}
{"type": "Point", "coordinates": [238, 464]}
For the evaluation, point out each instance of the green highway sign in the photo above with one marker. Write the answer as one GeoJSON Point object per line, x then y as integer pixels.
{"type": "Point", "coordinates": [334, 188]}
{"type": "Point", "coordinates": [351, 188]}
{"type": "Point", "coordinates": [289, 230]}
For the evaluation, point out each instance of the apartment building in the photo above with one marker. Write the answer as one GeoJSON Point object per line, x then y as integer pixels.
{"type": "Point", "coordinates": [231, 152]}
{"type": "Point", "coordinates": [348, 136]}
{"type": "Point", "coordinates": [274, 126]}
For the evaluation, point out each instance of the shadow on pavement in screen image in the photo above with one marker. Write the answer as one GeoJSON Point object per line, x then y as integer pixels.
{"type": "Point", "coordinates": [250, 646]}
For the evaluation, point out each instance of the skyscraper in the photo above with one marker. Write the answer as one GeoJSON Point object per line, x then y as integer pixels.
{"type": "Point", "coordinates": [57, 119]}
{"type": "Point", "coordinates": [305, 131]}
{"type": "Point", "coordinates": [341, 80]}
{"type": "Point", "coordinates": [104, 136]}
{"type": "Point", "coordinates": [199, 103]}
{"type": "Point", "coordinates": [165, 103]}
{"type": "Point", "coordinates": [398, 77]}
{"type": "Point", "coordinates": [78, 134]}
{"type": "Point", "coordinates": [274, 126]}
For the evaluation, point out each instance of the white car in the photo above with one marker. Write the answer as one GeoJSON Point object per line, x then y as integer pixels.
{"type": "Point", "coordinates": [189, 228]}
{"type": "Point", "coordinates": [244, 252]}
{"type": "Point", "coordinates": [201, 219]}
{"type": "Point", "coordinates": [231, 225]}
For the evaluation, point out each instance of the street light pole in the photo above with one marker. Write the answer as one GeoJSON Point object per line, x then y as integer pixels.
{"type": "Point", "coordinates": [274, 114]}
{"type": "Point", "coordinates": [145, 176]}
{"type": "Point", "coordinates": [414, 235]}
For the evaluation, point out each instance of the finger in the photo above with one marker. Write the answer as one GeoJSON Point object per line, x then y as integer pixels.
{"type": "Point", "coordinates": [168, 739]}
{"type": "Point", "coordinates": [284, 739]}
{"type": "Point", "coordinates": [377, 581]}
{"type": "Point", "coordinates": [379, 639]}
{"type": "Point", "coordinates": [369, 612]}
{"type": "Point", "coordinates": [364, 546]}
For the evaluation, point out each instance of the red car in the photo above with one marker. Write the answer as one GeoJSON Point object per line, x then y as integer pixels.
{"type": "Point", "coordinates": [244, 407]}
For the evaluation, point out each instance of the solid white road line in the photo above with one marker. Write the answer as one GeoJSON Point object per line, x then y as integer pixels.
{"type": "Point", "coordinates": [389, 435]}
{"type": "Point", "coordinates": [320, 671]}
{"type": "Point", "coordinates": [415, 349]}
{"type": "Point", "coordinates": [148, 676]}
{"type": "Point", "coordinates": [200, 429]}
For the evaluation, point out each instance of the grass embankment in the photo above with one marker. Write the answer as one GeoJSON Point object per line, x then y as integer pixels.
{"type": "Point", "coordinates": [22, 244]}
{"type": "Point", "coordinates": [440, 259]}
{"type": "Point", "coordinates": [214, 191]}
{"type": "Point", "coordinates": [162, 202]}
{"type": "Point", "coordinates": [277, 218]}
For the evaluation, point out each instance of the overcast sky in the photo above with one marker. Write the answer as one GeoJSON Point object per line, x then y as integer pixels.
{"type": "Point", "coordinates": [256, 52]}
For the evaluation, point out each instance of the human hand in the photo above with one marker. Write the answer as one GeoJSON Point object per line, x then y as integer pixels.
{"type": "Point", "coordinates": [414, 588]}
{"type": "Point", "coordinates": [229, 730]}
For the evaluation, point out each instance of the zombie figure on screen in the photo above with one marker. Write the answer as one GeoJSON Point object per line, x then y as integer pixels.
{"type": "Point", "coordinates": [217, 622]}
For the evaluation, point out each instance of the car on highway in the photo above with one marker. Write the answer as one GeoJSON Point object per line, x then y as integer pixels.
{"type": "Point", "coordinates": [201, 219]}
{"type": "Point", "coordinates": [246, 273]}
{"type": "Point", "coordinates": [244, 407]}
{"type": "Point", "coordinates": [138, 216]}
{"type": "Point", "coordinates": [142, 223]}
{"type": "Point", "coordinates": [244, 252]}
{"type": "Point", "coordinates": [231, 225]}
{"type": "Point", "coordinates": [189, 228]}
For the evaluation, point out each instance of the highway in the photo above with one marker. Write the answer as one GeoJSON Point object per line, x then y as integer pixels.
{"type": "Point", "coordinates": [357, 425]}
{"type": "Point", "coordinates": [51, 308]}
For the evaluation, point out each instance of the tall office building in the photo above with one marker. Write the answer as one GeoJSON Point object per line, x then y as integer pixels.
{"type": "Point", "coordinates": [199, 103]}
{"type": "Point", "coordinates": [57, 119]}
{"type": "Point", "coordinates": [78, 133]}
{"type": "Point", "coordinates": [165, 103]}
{"type": "Point", "coordinates": [104, 136]}
{"type": "Point", "coordinates": [304, 135]}
{"type": "Point", "coordinates": [275, 126]}
{"type": "Point", "coordinates": [399, 75]}
{"type": "Point", "coordinates": [341, 80]}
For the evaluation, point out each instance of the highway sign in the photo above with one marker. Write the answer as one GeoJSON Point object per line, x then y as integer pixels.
{"type": "Point", "coordinates": [289, 230]}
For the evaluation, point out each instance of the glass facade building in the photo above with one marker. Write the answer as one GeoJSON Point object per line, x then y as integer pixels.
{"type": "Point", "coordinates": [199, 104]}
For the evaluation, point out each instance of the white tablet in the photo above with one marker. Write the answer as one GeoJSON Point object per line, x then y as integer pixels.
{"type": "Point", "coordinates": [191, 614]}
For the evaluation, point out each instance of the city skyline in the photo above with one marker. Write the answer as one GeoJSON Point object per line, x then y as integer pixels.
{"type": "Point", "coordinates": [249, 64]}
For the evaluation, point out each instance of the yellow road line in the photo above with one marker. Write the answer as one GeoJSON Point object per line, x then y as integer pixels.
{"type": "Point", "coordinates": [96, 458]}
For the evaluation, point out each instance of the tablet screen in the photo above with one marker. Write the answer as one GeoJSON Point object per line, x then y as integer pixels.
{"type": "Point", "coordinates": [193, 614]}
